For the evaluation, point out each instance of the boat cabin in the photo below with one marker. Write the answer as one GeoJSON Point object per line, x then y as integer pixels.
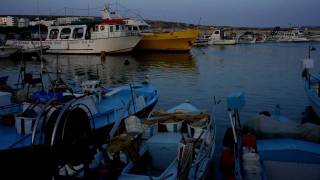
{"type": "Point", "coordinates": [108, 28]}
{"type": "Point", "coordinates": [69, 32]}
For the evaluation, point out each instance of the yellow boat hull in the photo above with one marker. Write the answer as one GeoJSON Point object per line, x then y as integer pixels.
{"type": "Point", "coordinates": [168, 41]}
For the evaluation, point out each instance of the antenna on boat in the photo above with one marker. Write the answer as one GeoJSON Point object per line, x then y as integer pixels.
{"type": "Point", "coordinates": [39, 34]}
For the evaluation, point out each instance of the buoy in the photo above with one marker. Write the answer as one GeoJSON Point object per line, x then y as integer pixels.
{"type": "Point", "coordinates": [126, 62]}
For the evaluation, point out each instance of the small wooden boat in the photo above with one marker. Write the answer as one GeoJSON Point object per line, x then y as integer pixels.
{"type": "Point", "coordinates": [176, 144]}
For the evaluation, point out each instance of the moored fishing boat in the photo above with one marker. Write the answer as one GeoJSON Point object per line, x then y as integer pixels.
{"type": "Point", "coordinates": [107, 106]}
{"type": "Point", "coordinates": [202, 40]}
{"type": "Point", "coordinates": [168, 41]}
{"type": "Point", "coordinates": [171, 40]}
{"type": "Point", "coordinates": [246, 38]}
{"type": "Point", "coordinates": [109, 36]}
{"type": "Point", "coordinates": [218, 38]}
{"type": "Point", "coordinates": [269, 147]}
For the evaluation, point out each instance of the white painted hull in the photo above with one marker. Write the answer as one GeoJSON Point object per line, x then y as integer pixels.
{"type": "Point", "coordinates": [224, 42]}
{"type": "Point", "coordinates": [94, 46]}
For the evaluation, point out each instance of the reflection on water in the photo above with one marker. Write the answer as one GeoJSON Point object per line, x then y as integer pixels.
{"type": "Point", "coordinates": [112, 69]}
{"type": "Point", "coordinates": [269, 74]}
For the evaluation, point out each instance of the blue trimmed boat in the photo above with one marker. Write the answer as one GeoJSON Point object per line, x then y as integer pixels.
{"type": "Point", "coordinates": [105, 108]}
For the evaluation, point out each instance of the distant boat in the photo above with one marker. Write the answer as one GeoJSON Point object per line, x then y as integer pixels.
{"type": "Point", "coordinates": [292, 35]}
{"type": "Point", "coordinates": [202, 40]}
{"type": "Point", "coordinates": [261, 38]}
{"type": "Point", "coordinates": [266, 147]}
{"type": "Point", "coordinates": [247, 38]}
{"type": "Point", "coordinates": [168, 41]}
{"type": "Point", "coordinates": [218, 38]}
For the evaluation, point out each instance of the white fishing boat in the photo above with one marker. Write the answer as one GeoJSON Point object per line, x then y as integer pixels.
{"type": "Point", "coordinates": [292, 35]}
{"type": "Point", "coordinates": [109, 36]}
{"type": "Point", "coordinates": [218, 38]}
{"type": "Point", "coordinates": [177, 144]}
{"type": "Point", "coordinates": [246, 38]}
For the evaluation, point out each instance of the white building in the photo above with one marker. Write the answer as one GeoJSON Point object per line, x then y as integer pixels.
{"type": "Point", "coordinates": [66, 20]}
{"type": "Point", "coordinates": [23, 22]}
{"type": "Point", "coordinates": [8, 21]}
{"type": "Point", "coordinates": [43, 22]}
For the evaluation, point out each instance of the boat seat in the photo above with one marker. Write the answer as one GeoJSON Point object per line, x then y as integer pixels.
{"type": "Point", "coordinates": [290, 150]}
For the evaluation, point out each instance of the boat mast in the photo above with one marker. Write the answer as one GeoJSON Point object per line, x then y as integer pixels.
{"type": "Point", "coordinates": [39, 34]}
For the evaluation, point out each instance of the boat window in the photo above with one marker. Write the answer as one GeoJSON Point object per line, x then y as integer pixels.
{"type": "Point", "coordinates": [54, 34]}
{"type": "Point", "coordinates": [117, 27]}
{"type": "Point", "coordinates": [65, 33]}
{"type": "Point", "coordinates": [143, 27]}
{"type": "Point", "coordinates": [102, 28]}
{"type": "Point", "coordinates": [130, 28]}
{"type": "Point", "coordinates": [135, 28]}
{"type": "Point", "coordinates": [78, 33]}
{"type": "Point", "coordinates": [111, 28]}
{"type": "Point", "coordinates": [216, 32]}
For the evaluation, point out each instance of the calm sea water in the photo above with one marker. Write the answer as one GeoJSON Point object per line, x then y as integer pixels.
{"type": "Point", "coordinates": [269, 74]}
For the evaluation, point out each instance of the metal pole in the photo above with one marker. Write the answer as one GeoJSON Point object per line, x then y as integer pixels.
{"type": "Point", "coordinates": [309, 51]}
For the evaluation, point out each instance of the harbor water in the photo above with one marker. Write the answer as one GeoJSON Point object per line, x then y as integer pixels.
{"type": "Point", "coordinates": [268, 73]}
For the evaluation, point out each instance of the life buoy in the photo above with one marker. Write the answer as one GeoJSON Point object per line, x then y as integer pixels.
{"type": "Point", "coordinates": [101, 28]}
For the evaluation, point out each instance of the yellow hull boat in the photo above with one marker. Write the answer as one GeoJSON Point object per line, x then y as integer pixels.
{"type": "Point", "coordinates": [168, 41]}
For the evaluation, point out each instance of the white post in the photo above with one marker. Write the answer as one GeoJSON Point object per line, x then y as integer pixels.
{"type": "Point", "coordinates": [232, 126]}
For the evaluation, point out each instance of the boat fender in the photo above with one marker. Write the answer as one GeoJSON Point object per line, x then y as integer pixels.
{"type": "Point", "coordinates": [101, 28]}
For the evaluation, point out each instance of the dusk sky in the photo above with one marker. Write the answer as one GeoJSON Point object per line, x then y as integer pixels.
{"type": "Point", "coordinates": [257, 13]}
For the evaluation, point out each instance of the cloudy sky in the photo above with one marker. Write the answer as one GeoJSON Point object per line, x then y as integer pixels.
{"type": "Point", "coordinates": [257, 13]}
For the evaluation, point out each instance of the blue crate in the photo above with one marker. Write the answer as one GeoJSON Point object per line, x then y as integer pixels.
{"type": "Point", "coordinates": [236, 100]}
